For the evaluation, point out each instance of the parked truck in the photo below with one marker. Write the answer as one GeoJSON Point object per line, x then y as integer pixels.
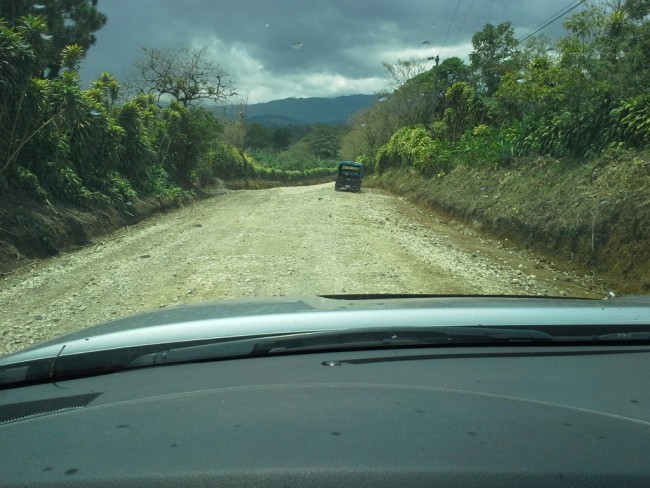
{"type": "Point", "coordinates": [349, 176]}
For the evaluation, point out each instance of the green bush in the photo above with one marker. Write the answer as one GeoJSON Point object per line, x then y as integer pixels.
{"type": "Point", "coordinates": [116, 188]}
{"type": "Point", "coordinates": [631, 122]}
{"type": "Point", "coordinates": [413, 146]}
{"type": "Point", "coordinates": [224, 161]}
{"type": "Point", "coordinates": [156, 183]}
{"type": "Point", "coordinates": [65, 184]}
{"type": "Point", "coordinates": [486, 146]}
{"type": "Point", "coordinates": [25, 181]}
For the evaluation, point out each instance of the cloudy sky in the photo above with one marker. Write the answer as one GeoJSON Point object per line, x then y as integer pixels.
{"type": "Point", "coordinates": [275, 49]}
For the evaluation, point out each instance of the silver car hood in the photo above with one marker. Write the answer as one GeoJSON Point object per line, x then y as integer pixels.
{"type": "Point", "coordinates": [257, 317]}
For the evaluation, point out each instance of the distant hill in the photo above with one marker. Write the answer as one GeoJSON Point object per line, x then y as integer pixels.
{"type": "Point", "coordinates": [305, 111]}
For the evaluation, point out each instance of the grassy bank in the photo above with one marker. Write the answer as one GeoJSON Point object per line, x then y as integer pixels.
{"type": "Point", "coordinates": [594, 215]}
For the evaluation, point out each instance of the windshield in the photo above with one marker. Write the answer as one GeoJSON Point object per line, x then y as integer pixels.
{"type": "Point", "coordinates": [349, 170]}
{"type": "Point", "coordinates": [163, 152]}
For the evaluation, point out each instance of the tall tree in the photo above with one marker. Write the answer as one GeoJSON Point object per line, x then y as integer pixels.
{"type": "Point", "coordinates": [463, 110]}
{"type": "Point", "coordinates": [409, 100]}
{"type": "Point", "coordinates": [494, 47]}
{"type": "Point", "coordinates": [185, 74]}
{"type": "Point", "coordinates": [432, 86]}
{"type": "Point", "coordinates": [68, 22]}
{"type": "Point", "coordinates": [324, 141]}
{"type": "Point", "coordinates": [281, 138]}
{"type": "Point", "coordinates": [368, 130]}
{"type": "Point", "coordinates": [451, 70]}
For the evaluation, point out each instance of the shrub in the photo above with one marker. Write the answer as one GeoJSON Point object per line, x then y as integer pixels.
{"type": "Point", "coordinates": [631, 122]}
{"type": "Point", "coordinates": [413, 146]}
{"type": "Point", "coordinates": [27, 182]}
{"type": "Point", "coordinates": [64, 183]}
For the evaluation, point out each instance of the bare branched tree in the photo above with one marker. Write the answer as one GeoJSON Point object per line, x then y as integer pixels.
{"type": "Point", "coordinates": [404, 70]}
{"type": "Point", "coordinates": [185, 74]}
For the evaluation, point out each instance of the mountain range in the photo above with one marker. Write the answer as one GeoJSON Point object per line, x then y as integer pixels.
{"type": "Point", "coordinates": [306, 111]}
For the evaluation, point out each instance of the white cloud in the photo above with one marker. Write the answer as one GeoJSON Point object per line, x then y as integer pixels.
{"type": "Point", "coordinates": [257, 84]}
{"type": "Point", "coordinates": [263, 88]}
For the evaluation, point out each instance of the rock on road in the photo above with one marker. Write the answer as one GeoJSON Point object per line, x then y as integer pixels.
{"type": "Point", "coordinates": [281, 241]}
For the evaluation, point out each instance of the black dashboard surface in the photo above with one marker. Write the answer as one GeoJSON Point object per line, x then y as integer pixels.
{"type": "Point", "coordinates": [499, 416]}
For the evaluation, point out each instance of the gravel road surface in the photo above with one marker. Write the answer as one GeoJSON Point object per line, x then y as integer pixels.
{"type": "Point", "coordinates": [281, 241]}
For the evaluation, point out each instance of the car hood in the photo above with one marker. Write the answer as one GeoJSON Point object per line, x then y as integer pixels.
{"type": "Point", "coordinates": [267, 316]}
{"type": "Point", "coordinates": [510, 410]}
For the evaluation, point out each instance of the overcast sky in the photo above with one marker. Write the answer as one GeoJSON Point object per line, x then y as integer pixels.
{"type": "Point", "coordinates": [275, 49]}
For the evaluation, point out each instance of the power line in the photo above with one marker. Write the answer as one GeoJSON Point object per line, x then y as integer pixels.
{"type": "Point", "coordinates": [450, 24]}
{"type": "Point", "coordinates": [561, 13]}
{"type": "Point", "coordinates": [461, 26]}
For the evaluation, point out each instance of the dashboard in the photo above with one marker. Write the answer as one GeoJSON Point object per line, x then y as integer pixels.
{"type": "Point", "coordinates": [427, 416]}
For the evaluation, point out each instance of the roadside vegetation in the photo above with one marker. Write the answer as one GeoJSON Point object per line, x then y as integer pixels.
{"type": "Point", "coordinates": [112, 142]}
{"type": "Point", "coordinates": [77, 160]}
{"type": "Point", "coordinates": [543, 141]}
{"type": "Point", "coordinates": [538, 140]}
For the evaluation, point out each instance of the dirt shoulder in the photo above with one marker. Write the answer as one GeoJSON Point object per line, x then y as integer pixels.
{"type": "Point", "coordinates": [279, 241]}
{"type": "Point", "coordinates": [592, 217]}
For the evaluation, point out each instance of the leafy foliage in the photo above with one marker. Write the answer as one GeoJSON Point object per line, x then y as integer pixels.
{"type": "Point", "coordinates": [572, 98]}
{"type": "Point", "coordinates": [411, 146]}
{"type": "Point", "coordinates": [494, 48]}
{"type": "Point", "coordinates": [319, 146]}
{"type": "Point", "coordinates": [575, 97]}
{"type": "Point", "coordinates": [463, 109]}
{"type": "Point", "coordinates": [53, 25]}
{"type": "Point", "coordinates": [61, 142]}
{"type": "Point", "coordinates": [631, 122]}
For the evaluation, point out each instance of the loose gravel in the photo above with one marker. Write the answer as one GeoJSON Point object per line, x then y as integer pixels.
{"type": "Point", "coordinates": [281, 241]}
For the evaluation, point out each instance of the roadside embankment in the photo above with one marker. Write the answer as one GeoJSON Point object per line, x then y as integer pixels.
{"type": "Point", "coordinates": [594, 215]}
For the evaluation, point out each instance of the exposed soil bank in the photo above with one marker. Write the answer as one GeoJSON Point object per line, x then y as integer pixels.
{"type": "Point", "coordinates": [593, 216]}
{"type": "Point", "coordinates": [30, 230]}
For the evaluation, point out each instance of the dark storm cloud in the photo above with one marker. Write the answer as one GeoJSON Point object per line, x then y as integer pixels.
{"type": "Point", "coordinates": [280, 48]}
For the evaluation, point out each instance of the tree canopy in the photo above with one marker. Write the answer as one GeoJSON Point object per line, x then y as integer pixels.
{"type": "Point", "coordinates": [55, 24]}
{"type": "Point", "coordinates": [573, 97]}
{"type": "Point", "coordinates": [494, 47]}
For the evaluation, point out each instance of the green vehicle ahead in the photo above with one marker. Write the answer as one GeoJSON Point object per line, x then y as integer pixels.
{"type": "Point", "coordinates": [349, 176]}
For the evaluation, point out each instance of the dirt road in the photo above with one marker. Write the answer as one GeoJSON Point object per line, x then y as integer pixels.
{"type": "Point", "coordinates": [282, 241]}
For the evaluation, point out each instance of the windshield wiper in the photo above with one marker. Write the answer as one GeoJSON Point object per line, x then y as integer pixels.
{"type": "Point", "coordinates": [93, 363]}
{"type": "Point", "coordinates": [334, 341]}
